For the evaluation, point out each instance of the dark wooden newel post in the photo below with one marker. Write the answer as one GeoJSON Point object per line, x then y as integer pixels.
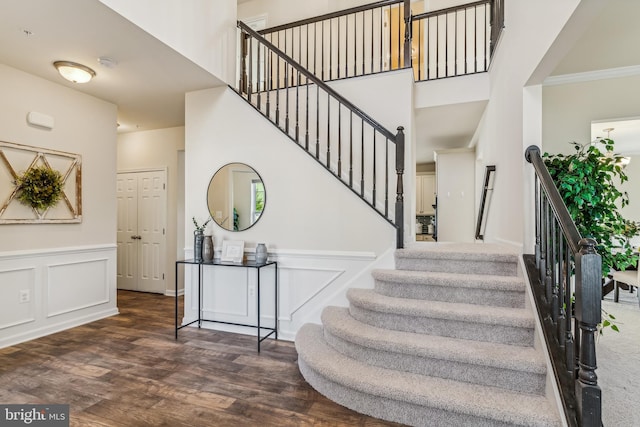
{"type": "Point", "coordinates": [588, 315]}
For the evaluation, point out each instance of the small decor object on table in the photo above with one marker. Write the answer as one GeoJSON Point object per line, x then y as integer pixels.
{"type": "Point", "coordinates": [198, 238]}
{"type": "Point", "coordinates": [207, 248]}
{"type": "Point", "coordinates": [261, 253]}
{"type": "Point", "coordinates": [232, 251]}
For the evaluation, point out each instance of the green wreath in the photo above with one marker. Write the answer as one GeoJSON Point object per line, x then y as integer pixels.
{"type": "Point", "coordinates": [40, 187]}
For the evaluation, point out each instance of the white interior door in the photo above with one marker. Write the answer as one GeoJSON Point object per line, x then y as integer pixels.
{"type": "Point", "coordinates": [142, 230]}
{"type": "Point", "coordinates": [127, 255]}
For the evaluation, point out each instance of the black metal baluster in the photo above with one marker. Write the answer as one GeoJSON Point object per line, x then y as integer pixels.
{"type": "Point", "coordinates": [466, 53]}
{"type": "Point", "coordinates": [340, 139]}
{"type": "Point", "coordinates": [355, 45]}
{"type": "Point", "coordinates": [317, 122]}
{"type": "Point", "coordinates": [306, 133]}
{"type": "Point", "coordinates": [286, 95]}
{"type": "Point", "coordinates": [562, 319]}
{"type": "Point", "coordinates": [363, 57]}
{"type": "Point", "coordinates": [381, 36]}
{"type": "Point", "coordinates": [399, 38]}
{"type": "Point", "coordinates": [428, 48]}
{"type": "Point", "coordinates": [346, 46]}
{"type": "Point", "coordinates": [375, 167]}
{"type": "Point", "coordinates": [278, 87]}
{"type": "Point", "coordinates": [475, 39]}
{"type": "Point", "coordinates": [259, 75]}
{"type": "Point", "coordinates": [420, 24]}
{"type": "Point", "coordinates": [306, 79]}
{"type": "Point", "coordinates": [553, 264]}
{"type": "Point", "coordinates": [455, 44]}
{"type": "Point", "coordinates": [330, 49]}
{"type": "Point", "coordinates": [547, 237]}
{"type": "Point", "coordinates": [328, 131]}
{"type": "Point", "coordinates": [315, 47]}
{"type": "Point", "coordinates": [386, 176]}
{"type": "Point", "coordinates": [362, 162]}
{"type": "Point", "coordinates": [338, 59]}
{"type": "Point", "coordinates": [437, 47]}
{"type": "Point", "coordinates": [446, 45]}
{"type": "Point", "coordinates": [298, 109]}
{"type": "Point", "coordinates": [569, 348]}
{"type": "Point", "coordinates": [250, 71]}
{"type": "Point", "coordinates": [322, 50]}
{"type": "Point", "coordinates": [484, 50]}
{"type": "Point", "coordinates": [351, 149]}
{"type": "Point", "coordinates": [543, 243]}
{"type": "Point", "coordinates": [372, 32]}
{"type": "Point", "coordinates": [268, 78]}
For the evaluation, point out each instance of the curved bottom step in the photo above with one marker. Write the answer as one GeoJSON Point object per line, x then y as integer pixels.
{"type": "Point", "coordinates": [409, 398]}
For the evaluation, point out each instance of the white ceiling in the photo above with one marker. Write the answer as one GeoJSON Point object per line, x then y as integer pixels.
{"type": "Point", "coordinates": [150, 79]}
{"type": "Point", "coordinates": [147, 84]}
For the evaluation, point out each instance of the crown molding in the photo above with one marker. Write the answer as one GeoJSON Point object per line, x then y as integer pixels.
{"type": "Point", "coordinates": [587, 76]}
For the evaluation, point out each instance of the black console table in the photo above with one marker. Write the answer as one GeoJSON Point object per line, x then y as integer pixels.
{"type": "Point", "coordinates": [247, 264]}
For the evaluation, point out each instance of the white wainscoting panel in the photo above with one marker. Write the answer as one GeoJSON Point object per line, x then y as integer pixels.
{"type": "Point", "coordinates": [69, 290]}
{"type": "Point", "coordinates": [67, 287]}
{"type": "Point", "coordinates": [307, 282]}
{"type": "Point", "coordinates": [12, 283]}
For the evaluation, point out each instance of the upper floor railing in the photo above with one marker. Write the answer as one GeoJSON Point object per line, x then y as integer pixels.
{"type": "Point", "coordinates": [386, 36]}
{"type": "Point", "coordinates": [364, 155]}
{"type": "Point", "coordinates": [566, 274]}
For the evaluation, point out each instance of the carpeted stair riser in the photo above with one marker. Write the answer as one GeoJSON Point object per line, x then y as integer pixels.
{"type": "Point", "coordinates": [445, 327]}
{"type": "Point", "coordinates": [466, 321]}
{"type": "Point", "coordinates": [497, 291]}
{"type": "Point", "coordinates": [410, 353]}
{"type": "Point", "coordinates": [410, 398]}
{"type": "Point", "coordinates": [457, 262]}
{"type": "Point", "coordinates": [391, 410]}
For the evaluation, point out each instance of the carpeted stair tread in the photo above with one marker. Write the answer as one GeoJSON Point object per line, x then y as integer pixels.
{"type": "Point", "coordinates": [338, 322]}
{"type": "Point", "coordinates": [488, 315]}
{"type": "Point", "coordinates": [459, 258]}
{"type": "Point", "coordinates": [459, 280]}
{"type": "Point", "coordinates": [490, 404]}
{"type": "Point", "coordinates": [458, 251]}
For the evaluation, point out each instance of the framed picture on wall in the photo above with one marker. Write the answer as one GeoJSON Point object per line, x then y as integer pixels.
{"type": "Point", "coordinates": [232, 251]}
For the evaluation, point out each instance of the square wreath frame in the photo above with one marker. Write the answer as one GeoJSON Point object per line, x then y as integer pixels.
{"type": "Point", "coordinates": [73, 211]}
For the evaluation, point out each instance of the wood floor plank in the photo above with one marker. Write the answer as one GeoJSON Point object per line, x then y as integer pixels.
{"type": "Point", "coordinates": [128, 370]}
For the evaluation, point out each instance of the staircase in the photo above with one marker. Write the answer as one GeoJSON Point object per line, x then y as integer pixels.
{"type": "Point", "coordinates": [445, 339]}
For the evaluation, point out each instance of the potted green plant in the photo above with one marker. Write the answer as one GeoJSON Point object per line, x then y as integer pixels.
{"type": "Point", "coordinates": [586, 180]}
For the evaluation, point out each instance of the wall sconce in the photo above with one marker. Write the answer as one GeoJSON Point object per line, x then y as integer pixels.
{"type": "Point", "coordinates": [74, 72]}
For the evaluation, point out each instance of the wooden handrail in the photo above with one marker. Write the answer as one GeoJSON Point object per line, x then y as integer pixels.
{"type": "Point", "coordinates": [331, 15]}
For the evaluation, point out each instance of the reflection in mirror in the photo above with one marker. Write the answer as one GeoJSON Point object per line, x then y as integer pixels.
{"type": "Point", "coordinates": [236, 197]}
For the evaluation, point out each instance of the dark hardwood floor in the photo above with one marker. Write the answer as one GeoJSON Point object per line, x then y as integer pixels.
{"type": "Point", "coordinates": [128, 370]}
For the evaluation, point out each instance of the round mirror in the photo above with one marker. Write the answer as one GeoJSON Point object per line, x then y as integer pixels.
{"type": "Point", "coordinates": [236, 197]}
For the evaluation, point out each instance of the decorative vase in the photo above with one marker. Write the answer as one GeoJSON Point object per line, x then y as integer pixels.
{"type": "Point", "coordinates": [198, 237]}
{"type": "Point", "coordinates": [207, 249]}
{"type": "Point", "coordinates": [261, 253]}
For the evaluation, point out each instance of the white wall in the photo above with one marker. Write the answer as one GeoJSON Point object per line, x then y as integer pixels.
{"type": "Point", "coordinates": [68, 269]}
{"type": "Point", "coordinates": [501, 137]}
{"type": "Point", "coordinates": [569, 109]}
{"type": "Point", "coordinates": [322, 235]}
{"type": "Point", "coordinates": [159, 149]}
{"type": "Point", "coordinates": [202, 30]}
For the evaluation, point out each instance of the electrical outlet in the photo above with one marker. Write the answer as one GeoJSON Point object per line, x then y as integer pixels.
{"type": "Point", "coordinates": [252, 291]}
{"type": "Point", "coordinates": [25, 296]}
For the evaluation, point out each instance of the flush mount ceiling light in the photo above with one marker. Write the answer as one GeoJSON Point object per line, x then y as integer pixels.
{"type": "Point", "coordinates": [74, 72]}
